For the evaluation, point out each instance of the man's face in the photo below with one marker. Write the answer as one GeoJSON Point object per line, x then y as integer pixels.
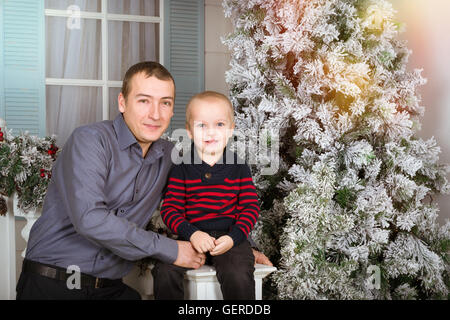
{"type": "Point", "coordinates": [148, 108]}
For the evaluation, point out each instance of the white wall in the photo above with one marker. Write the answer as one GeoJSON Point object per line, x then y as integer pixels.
{"type": "Point", "coordinates": [217, 56]}
{"type": "Point", "coordinates": [428, 35]}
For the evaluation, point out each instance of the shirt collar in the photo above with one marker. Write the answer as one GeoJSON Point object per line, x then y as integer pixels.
{"type": "Point", "coordinates": [124, 134]}
{"type": "Point", "coordinates": [156, 150]}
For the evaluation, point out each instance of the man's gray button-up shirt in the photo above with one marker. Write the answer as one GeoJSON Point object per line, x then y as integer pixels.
{"type": "Point", "coordinates": [101, 196]}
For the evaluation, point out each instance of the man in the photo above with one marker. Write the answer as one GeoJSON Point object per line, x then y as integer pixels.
{"type": "Point", "coordinates": [106, 184]}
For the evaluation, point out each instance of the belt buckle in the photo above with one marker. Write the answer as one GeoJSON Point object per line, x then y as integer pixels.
{"type": "Point", "coordinates": [97, 283]}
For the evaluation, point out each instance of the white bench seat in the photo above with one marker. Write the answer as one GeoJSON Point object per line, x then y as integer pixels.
{"type": "Point", "coordinates": [202, 283]}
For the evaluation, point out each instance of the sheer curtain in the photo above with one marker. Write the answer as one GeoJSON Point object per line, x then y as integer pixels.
{"type": "Point", "coordinates": [77, 54]}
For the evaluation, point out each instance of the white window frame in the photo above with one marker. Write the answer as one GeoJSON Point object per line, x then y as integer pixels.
{"type": "Point", "coordinates": [105, 17]}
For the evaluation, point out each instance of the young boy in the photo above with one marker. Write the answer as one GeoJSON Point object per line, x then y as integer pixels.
{"type": "Point", "coordinates": [211, 202]}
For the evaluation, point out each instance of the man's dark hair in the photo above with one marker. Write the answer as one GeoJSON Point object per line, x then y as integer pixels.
{"type": "Point", "coordinates": [150, 69]}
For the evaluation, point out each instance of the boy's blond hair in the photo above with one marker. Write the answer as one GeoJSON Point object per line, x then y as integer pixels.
{"type": "Point", "coordinates": [206, 95]}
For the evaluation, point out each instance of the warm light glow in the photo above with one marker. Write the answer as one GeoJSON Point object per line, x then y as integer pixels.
{"type": "Point", "coordinates": [377, 14]}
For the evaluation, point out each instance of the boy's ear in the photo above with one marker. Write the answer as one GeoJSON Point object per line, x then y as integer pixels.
{"type": "Point", "coordinates": [188, 131]}
{"type": "Point", "coordinates": [231, 130]}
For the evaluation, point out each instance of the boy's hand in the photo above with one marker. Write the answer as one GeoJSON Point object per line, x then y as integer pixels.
{"type": "Point", "coordinates": [223, 244]}
{"type": "Point", "coordinates": [202, 242]}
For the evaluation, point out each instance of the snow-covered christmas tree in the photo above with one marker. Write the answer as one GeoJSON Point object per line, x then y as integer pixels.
{"type": "Point", "coordinates": [350, 212]}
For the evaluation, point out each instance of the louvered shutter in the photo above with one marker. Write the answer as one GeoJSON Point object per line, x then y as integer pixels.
{"type": "Point", "coordinates": [184, 52]}
{"type": "Point", "coordinates": [22, 65]}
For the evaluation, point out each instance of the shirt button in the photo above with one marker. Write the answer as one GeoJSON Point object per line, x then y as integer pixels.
{"type": "Point", "coordinates": [137, 191]}
{"type": "Point", "coordinates": [207, 175]}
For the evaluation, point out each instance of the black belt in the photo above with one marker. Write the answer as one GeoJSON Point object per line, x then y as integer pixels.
{"type": "Point", "coordinates": [61, 274]}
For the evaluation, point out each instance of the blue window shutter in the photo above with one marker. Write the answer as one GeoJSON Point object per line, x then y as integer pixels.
{"type": "Point", "coordinates": [22, 65]}
{"type": "Point", "coordinates": [184, 48]}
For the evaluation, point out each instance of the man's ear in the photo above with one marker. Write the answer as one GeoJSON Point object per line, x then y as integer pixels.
{"type": "Point", "coordinates": [122, 102]}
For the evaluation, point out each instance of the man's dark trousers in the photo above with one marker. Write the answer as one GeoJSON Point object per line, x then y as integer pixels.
{"type": "Point", "coordinates": [234, 269]}
{"type": "Point", "coordinates": [32, 286]}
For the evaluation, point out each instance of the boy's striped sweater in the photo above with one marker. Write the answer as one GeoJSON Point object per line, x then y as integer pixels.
{"type": "Point", "coordinates": [211, 198]}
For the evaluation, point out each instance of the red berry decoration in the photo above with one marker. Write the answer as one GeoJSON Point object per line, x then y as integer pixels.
{"type": "Point", "coordinates": [52, 150]}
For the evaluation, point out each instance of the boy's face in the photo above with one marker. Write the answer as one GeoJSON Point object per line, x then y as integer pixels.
{"type": "Point", "coordinates": [210, 125]}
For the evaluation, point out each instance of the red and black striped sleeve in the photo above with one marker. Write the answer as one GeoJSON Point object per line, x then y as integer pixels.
{"type": "Point", "coordinates": [173, 208]}
{"type": "Point", "coordinates": [248, 206]}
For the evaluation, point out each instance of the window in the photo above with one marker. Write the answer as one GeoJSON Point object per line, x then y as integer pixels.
{"type": "Point", "coordinates": [89, 46]}
{"type": "Point", "coordinates": [62, 61]}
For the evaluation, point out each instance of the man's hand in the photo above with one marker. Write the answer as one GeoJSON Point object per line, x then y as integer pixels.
{"type": "Point", "coordinates": [261, 258]}
{"type": "Point", "coordinates": [223, 244]}
{"type": "Point", "coordinates": [188, 257]}
{"type": "Point", "coordinates": [202, 242]}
